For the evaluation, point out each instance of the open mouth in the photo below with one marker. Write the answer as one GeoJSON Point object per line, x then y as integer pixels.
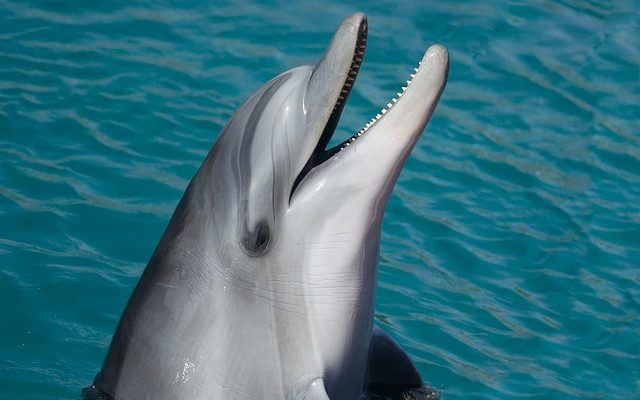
{"type": "Point", "coordinates": [321, 153]}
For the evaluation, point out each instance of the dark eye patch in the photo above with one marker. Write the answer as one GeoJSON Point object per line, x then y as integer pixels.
{"type": "Point", "coordinates": [257, 241]}
{"type": "Point", "coordinates": [262, 237]}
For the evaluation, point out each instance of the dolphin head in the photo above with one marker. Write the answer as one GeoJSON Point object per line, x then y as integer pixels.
{"type": "Point", "coordinates": [276, 134]}
{"type": "Point", "coordinates": [271, 171]}
{"type": "Point", "coordinates": [278, 227]}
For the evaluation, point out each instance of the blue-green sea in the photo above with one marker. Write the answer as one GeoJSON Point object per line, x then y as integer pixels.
{"type": "Point", "coordinates": [510, 256]}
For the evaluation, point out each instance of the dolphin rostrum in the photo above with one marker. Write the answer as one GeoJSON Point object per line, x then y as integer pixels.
{"type": "Point", "coordinates": [262, 285]}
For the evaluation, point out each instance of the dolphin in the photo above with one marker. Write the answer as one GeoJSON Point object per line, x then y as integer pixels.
{"type": "Point", "coordinates": [263, 284]}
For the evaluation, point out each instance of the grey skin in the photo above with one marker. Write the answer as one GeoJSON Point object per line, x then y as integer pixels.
{"type": "Point", "coordinates": [263, 284]}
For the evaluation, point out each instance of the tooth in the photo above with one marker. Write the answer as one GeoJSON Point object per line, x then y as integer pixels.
{"type": "Point", "coordinates": [395, 100]}
{"type": "Point", "coordinates": [389, 105]}
{"type": "Point", "coordinates": [399, 94]}
{"type": "Point", "coordinates": [378, 116]}
{"type": "Point", "coordinates": [404, 88]}
{"type": "Point", "coordinates": [412, 76]}
{"type": "Point", "coordinates": [415, 69]}
{"type": "Point", "coordinates": [384, 111]}
{"type": "Point", "coordinates": [408, 83]}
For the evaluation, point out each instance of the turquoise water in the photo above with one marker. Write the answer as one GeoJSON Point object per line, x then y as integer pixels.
{"type": "Point", "coordinates": [510, 258]}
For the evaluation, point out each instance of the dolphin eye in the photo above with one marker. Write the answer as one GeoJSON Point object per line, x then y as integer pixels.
{"type": "Point", "coordinates": [256, 242]}
{"type": "Point", "coordinates": [262, 237]}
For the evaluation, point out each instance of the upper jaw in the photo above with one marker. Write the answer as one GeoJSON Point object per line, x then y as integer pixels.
{"type": "Point", "coordinates": [329, 86]}
{"type": "Point", "coordinates": [338, 67]}
{"type": "Point", "coordinates": [338, 70]}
